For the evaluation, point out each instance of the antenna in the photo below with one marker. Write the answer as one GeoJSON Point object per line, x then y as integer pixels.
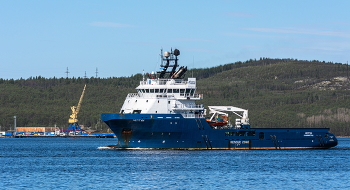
{"type": "Point", "coordinates": [193, 67]}
{"type": "Point", "coordinates": [67, 72]}
{"type": "Point", "coordinates": [96, 72]}
{"type": "Point", "coordinates": [347, 69]}
{"type": "Point", "coordinates": [85, 75]}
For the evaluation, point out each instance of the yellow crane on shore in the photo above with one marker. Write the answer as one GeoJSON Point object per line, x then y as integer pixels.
{"type": "Point", "coordinates": [73, 120]}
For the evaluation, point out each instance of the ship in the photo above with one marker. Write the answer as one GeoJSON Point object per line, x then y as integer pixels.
{"type": "Point", "coordinates": [163, 114]}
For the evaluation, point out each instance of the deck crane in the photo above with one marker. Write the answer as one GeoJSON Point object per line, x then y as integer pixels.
{"type": "Point", "coordinates": [73, 120]}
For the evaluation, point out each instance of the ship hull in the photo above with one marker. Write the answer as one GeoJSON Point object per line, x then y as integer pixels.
{"type": "Point", "coordinates": [172, 131]}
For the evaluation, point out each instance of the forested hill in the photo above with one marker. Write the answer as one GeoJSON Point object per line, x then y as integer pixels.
{"type": "Point", "coordinates": [277, 93]}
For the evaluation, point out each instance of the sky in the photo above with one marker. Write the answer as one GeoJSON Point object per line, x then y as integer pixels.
{"type": "Point", "coordinates": [120, 38]}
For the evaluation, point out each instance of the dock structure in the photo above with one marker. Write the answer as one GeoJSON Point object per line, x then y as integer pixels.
{"type": "Point", "coordinates": [50, 132]}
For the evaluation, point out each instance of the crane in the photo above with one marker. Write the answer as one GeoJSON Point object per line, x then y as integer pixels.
{"type": "Point", "coordinates": [73, 120]}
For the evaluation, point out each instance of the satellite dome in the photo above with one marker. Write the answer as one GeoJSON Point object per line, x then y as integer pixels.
{"type": "Point", "coordinates": [166, 54]}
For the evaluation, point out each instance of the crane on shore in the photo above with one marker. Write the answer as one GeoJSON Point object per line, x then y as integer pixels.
{"type": "Point", "coordinates": [73, 120]}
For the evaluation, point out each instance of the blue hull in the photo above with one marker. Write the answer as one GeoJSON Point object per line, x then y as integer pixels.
{"type": "Point", "coordinates": [172, 131]}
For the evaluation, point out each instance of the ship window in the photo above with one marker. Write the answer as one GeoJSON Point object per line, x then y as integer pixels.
{"type": "Point", "coordinates": [188, 91]}
{"type": "Point", "coordinates": [170, 90]}
{"type": "Point", "coordinates": [147, 90]}
{"type": "Point", "coordinates": [162, 90]}
{"type": "Point", "coordinates": [146, 100]}
{"type": "Point", "coordinates": [156, 90]}
{"type": "Point", "coordinates": [168, 102]}
{"type": "Point", "coordinates": [182, 92]}
{"type": "Point", "coordinates": [151, 90]}
{"type": "Point", "coordinates": [261, 136]}
{"type": "Point", "coordinates": [136, 111]}
{"type": "Point", "coordinates": [251, 133]}
{"type": "Point", "coordinates": [175, 90]}
{"type": "Point", "coordinates": [143, 90]}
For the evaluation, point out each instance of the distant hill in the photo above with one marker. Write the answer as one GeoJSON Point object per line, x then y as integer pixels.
{"type": "Point", "coordinates": [277, 93]}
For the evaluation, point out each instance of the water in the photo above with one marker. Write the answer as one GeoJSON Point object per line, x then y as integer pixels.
{"type": "Point", "coordinates": [78, 164]}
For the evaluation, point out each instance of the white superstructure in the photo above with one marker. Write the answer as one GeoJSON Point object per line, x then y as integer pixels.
{"type": "Point", "coordinates": [171, 95]}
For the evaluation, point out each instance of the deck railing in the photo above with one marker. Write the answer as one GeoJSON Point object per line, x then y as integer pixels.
{"type": "Point", "coordinates": [164, 95]}
{"type": "Point", "coordinates": [189, 106]}
{"type": "Point", "coordinates": [163, 82]}
{"type": "Point", "coordinates": [192, 115]}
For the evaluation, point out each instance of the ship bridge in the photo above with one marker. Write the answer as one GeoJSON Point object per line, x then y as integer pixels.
{"type": "Point", "coordinates": [167, 93]}
{"type": "Point", "coordinates": [165, 96]}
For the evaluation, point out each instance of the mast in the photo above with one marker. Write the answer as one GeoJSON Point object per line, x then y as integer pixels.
{"type": "Point", "coordinates": [169, 59]}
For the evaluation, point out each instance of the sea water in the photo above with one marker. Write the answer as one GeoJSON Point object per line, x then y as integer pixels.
{"type": "Point", "coordinates": [79, 164]}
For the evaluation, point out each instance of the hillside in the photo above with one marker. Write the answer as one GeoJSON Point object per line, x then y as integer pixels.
{"type": "Point", "coordinates": [277, 93]}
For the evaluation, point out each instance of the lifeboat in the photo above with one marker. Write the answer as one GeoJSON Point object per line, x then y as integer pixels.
{"type": "Point", "coordinates": [220, 121]}
{"type": "Point", "coordinates": [216, 123]}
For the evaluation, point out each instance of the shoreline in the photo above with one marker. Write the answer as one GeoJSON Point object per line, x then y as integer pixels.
{"type": "Point", "coordinates": [342, 137]}
{"type": "Point", "coordinates": [58, 136]}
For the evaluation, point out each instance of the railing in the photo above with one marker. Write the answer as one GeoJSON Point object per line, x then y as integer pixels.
{"type": "Point", "coordinates": [163, 82]}
{"type": "Point", "coordinates": [192, 115]}
{"type": "Point", "coordinates": [200, 96]}
{"type": "Point", "coordinates": [148, 95]}
{"type": "Point", "coordinates": [188, 106]}
{"type": "Point", "coordinates": [164, 95]}
{"type": "Point", "coordinates": [131, 95]}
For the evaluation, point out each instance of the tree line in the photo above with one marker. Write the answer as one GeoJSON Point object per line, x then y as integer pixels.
{"type": "Point", "coordinates": [277, 93]}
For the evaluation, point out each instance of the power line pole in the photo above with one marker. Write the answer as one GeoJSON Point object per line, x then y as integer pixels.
{"type": "Point", "coordinates": [96, 72]}
{"type": "Point", "coordinates": [67, 72]}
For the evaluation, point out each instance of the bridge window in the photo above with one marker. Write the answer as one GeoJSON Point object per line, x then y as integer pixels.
{"type": "Point", "coordinates": [170, 90]}
{"type": "Point", "coordinates": [176, 90]}
{"type": "Point", "coordinates": [156, 90]}
{"type": "Point", "coordinates": [182, 92]}
{"type": "Point", "coordinates": [147, 90]}
{"type": "Point", "coordinates": [161, 90]}
{"type": "Point", "coordinates": [151, 90]}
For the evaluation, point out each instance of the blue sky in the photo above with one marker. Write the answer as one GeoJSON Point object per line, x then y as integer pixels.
{"type": "Point", "coordinates": [121, 38]}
